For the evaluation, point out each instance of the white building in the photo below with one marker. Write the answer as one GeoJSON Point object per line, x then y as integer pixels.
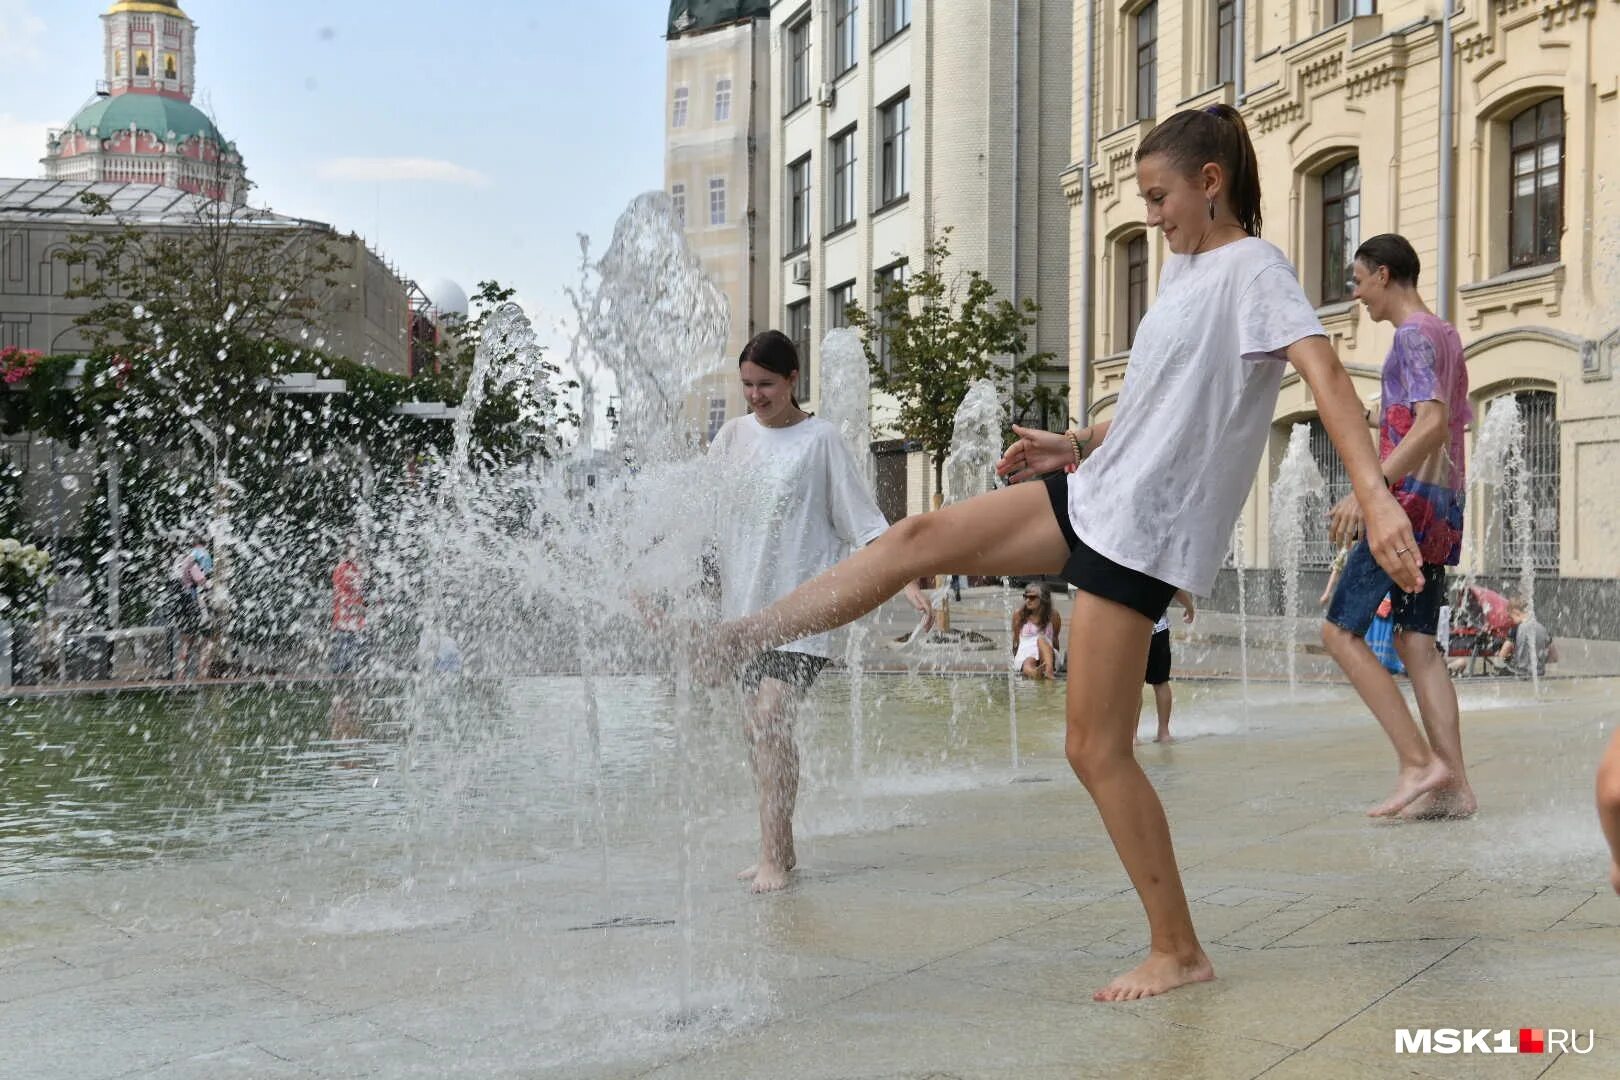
{"type": "Point", "coordinates": [892, 120]}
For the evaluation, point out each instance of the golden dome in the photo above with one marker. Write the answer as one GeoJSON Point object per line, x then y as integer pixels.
{"type": "Point", "coordinates": [149, 7]}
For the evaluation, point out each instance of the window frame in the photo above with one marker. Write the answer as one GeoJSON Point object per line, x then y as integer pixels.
{"type": "Point", "coordinates": [896, 272]}
{"type": "Point", "coordinates": [1348, 227]}
{"type": "Point", "coordinates": [1135, 293]}
{"type": "Point", "coordinates": [894, 177]}
{"type": "Point", "coordinates": [722, 99]}
{"type": "Point", "coordinates": [717, 186]}
{"type": "Point", "coordinates": [1147, 71]}
{"type": "Point", "coordinates": [891, 26]}
{"type": "Point", "coordinates": [791, 312]}
{"type": "Point", "coordinates": [796, 81]}
{"type": "Point", "coordinates": [842, 189]}
{"type": "Point", "coordinates": [846, 36]}
{"type": "Point", "coordinates": [1536, 256]}
{"type": "Point", "coordinates": [680, 107]}
{"type": "Point", "coordinates": [1225, 65]}
{"type": "Point", "coordinates": [838, 313]}
{"type": "Point", "coordinates": [796, 236]}
{"type": "Point", "coordinates": [677, 196]}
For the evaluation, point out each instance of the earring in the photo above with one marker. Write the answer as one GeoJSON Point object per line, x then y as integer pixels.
{"type": "Point", "coordinates": [1212, 209]}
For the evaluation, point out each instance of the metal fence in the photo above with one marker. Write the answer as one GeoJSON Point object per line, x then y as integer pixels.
{"type": "Point", "coordinates": [1538, 411]}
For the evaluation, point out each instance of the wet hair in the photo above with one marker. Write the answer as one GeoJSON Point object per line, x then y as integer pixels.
{"type": "Point", "coordinates": [1194, 138]}
{"type": "Point", "coordinates": [1394, 253]}
{"type": "Point", "coordinates": [775, 352]}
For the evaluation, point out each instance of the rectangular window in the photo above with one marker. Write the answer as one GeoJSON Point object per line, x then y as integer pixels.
{"type": "Point", "coordinates": [677, 195]}
{"type": "Point", "coordinates": [896, 128]}
{"type": "Point", "coordinates": [717, 201]}
{"type": "Point", "coordinates": [887, 278]}
{"type": "Point", "coordinates": [1345, 10]}
{"type": "Point", "coordinates": [1341, 229]}
{"type": "Point", "coordinates": [1225, 39]}
{"type": "Point", "coordinates": [1147, 61]}
{"type": "Point", "coordinates": [843, 179]}
{"type": "Point", "coordinates": [717, 416]}
{"type": "Point", "coordinates": [846, 35]}
{"type": "Point", "coordinates": [798, 328]}
{"type": "Point", "coordinates": [1136, 281]}
{"type": "Point", "coordinates": [678, 114]}
{"type": "Point", "coordinates": [896, 17]}
{"type": "Point", "coordinates": [798, 69]}
{"type": "Point", "coordinates": [839, 299]}
{"type": "Point", "coordinates": [722, 100]}
{"type": "Point", "coordinates": [798, 224]}
{"type": "Point", "coordinates": [1536, 180]}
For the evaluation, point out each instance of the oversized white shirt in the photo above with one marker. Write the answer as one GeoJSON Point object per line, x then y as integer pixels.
{"type": "Point", "coordinates": [1162, 492]}
{"type": "Point", "coordinates": [797, 506]}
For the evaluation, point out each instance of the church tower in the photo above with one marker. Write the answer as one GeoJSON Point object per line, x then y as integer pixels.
{"type": "Point", "coordinates": [141, 127]}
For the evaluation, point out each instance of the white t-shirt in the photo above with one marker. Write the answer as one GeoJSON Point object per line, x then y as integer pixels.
{"type": "Point", "coordinates": [1162, 492]}
{"type": "Point", "coordinates": [799, 506]}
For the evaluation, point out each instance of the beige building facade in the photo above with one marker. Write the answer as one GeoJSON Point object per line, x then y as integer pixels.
{"type": "Point", "coordinates": [1343, 99]}
{"type": "Point", "coordinates": [716, 155]}
{"type": "Point", "coordinates": [891, 121]}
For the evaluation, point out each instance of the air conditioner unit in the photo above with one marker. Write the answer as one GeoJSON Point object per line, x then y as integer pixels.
{"type": "Point", "coordinates": [801, 271]}
{"type": "Point", "coordinates": [826, 94]}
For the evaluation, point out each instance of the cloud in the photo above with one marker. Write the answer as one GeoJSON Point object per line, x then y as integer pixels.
{"type": "Point", "coordinates": [24, 31]}
{"type": "Point", "coordinates": [22, 144]}
{"type": "Point", "coordinates": [401, 170]}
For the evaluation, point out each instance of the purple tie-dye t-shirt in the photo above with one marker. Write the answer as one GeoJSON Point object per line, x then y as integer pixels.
{"type": "Point", "coordinates": [1426, 364]}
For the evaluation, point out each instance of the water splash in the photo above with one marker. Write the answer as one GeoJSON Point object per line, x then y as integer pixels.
{"type": "Point", "coordinates": [1500, 469]}
{"type": "Point", "coordinates": [1295, 495]}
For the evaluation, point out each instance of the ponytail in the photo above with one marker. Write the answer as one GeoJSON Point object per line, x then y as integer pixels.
{"type": "Point", "coordinates": [1194, 138]}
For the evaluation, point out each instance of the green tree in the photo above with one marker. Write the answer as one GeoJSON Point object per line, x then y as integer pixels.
{"type": "Point", "coordinates": [932, 335]}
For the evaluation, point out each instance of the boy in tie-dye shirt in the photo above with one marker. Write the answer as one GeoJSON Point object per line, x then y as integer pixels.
{"type": "Point", "coordinates": [1424, 412]}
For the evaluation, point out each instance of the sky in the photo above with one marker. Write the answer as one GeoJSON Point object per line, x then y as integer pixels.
{"type": "Point", "coordinates": [467, 141]}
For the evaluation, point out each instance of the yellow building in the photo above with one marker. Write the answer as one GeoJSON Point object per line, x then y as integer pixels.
{"type": "Point", "coordinates": [1344, 100]}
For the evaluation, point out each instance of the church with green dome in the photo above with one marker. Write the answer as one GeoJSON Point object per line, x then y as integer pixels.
{"type": "Point", "coordinates": [141, 127]}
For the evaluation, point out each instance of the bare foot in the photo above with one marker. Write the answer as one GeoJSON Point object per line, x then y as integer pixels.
{"type": "Point", "coordinates": [1614, 875]}
{"type": "Point", "coordinates": [1411, 783]}
{"type": "Point", "coordinates": [1442, 804]}
{"type": "Point", "coordinates": [1158, 974]}
{"type": "Point", "coordinates": [748, 873]}
{"type": "Point", "coordinates": [1163, 736]}
{"type": "Point", "coordinates": [768, 877]}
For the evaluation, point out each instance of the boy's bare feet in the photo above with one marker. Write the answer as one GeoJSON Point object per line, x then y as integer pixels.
{"type": "Point", "coordinates": [1450, 803]}
{"type": "Point", "coordinates": [1158, 974]}
{"type": "Point", "coordinates": [1162, 736]}
{"type": "Point", "coordinates": [1411, 783]}
{"type": "Point", "coordinates": [753, 872]}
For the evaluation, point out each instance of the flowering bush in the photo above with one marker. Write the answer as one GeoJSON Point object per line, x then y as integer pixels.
{"type": "Point", "coordinates": [17, 364]}
{"type": "Point", "coordinates": [24, 576]}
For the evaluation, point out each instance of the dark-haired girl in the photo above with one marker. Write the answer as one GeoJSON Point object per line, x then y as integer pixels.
{"type": "Point", "coordinates": [800, 505]}
{"type": "Point", "coordinates": [1151, 500]}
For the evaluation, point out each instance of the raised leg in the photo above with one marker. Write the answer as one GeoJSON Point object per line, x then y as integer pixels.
{"type": "Point", "coordinates": [1108, 646]}
{"type": "Point", "coordinates": [1048, 659]}
{"type": "Point", "coordinates": [1010, 531]}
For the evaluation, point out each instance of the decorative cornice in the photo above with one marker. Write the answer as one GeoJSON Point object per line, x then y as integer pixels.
{"type": "Point", "coordinates": [1374, 78]}
{"type": "Point", "coordinates": [1320, 71]}
{"type": "Point", "coordinates": [1284, 112]}
{"type": "Point", "coordinates": [1556, 13]}
{"type": "Point", "coordinates": [1476, 47]}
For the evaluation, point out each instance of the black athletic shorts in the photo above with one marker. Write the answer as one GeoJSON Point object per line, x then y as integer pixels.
{"type": "Point", "coordinates": [1158, 668]}
{"type": "Point", "coordinates": [798, 670]}
{"type": "Point", "coordinates": [1100, 576]}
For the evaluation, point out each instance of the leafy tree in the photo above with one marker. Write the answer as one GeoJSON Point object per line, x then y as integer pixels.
{"type": "Point", "coordinates": [932, 335]}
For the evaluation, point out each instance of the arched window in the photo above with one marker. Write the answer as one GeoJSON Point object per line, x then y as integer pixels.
{"type": "Point", "coordinates": [1136, 285]}
{"type": "Point", "coordinates": [1341, 228]}
{"type": "Point", "coordinates": [143, 65]}
{"type": "Point", "coordinates": [1536, 181]}
{"type": "Point", "coordinates": [171, 70]}
{"type": "Point", "coordinates": [1538, 413]}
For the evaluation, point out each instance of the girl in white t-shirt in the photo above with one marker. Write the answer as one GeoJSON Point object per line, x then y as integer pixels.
{"type": "Point", "coordinates": [800, 505]}
{"type": "Point", "coordinates": [1143, 504]}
